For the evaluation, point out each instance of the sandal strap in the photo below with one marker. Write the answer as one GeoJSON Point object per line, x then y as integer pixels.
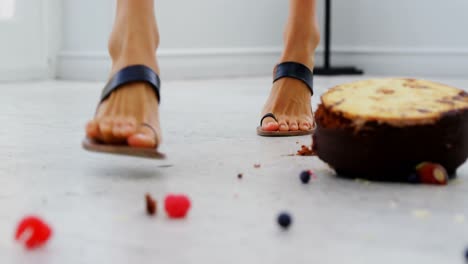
{"type": "Point", "coordinates": [133, 73]}
{"type": "Point", "coordinates": [152, 129]}
{"type": "Point", "coordinates": [295, 70]}
{"type": "Point", "coordinates": [268, 115]}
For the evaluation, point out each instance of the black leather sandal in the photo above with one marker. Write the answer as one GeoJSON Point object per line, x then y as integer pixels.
{"type": "Point", "coordinates": [130, 74]}
{"type": "Point", "coordinates": [289, 70]}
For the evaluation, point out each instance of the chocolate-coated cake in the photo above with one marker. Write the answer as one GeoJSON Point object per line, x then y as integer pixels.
{"type": "Point", "coordinates": [381, 129]}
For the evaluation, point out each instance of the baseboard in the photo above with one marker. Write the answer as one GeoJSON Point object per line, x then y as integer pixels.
{"type": "Point", "coordinates": [235, 62]}
{"type": "Point", "coordinates": [23, 74]}
{"type": "Point", "coordinates": [392, 61]}
{"type": "Point", "coordinates": [176, 64]}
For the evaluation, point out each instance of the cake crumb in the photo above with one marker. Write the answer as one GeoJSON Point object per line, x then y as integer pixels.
{"type": "Point", "coordinates": [150, 204]}
{"type": "Point", "coordinates": [257, 165]}
{"type": "Point", "coordinates": [240, 175]}
{"type": "Point", "coordinates": [305, 151]}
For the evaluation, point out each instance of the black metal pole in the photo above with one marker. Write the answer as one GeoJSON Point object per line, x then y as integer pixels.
{"type": "Point", "coordinates": [327, 69]}
{"type": "Point", "coordinates": [327, 35]}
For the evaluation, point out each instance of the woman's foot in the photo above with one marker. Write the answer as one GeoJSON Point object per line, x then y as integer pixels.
{"type": "Point", "coordinates": [290, 99]}
{"type": "Point", "coordinates": [290, 102]}
{"type": "Point", "coordinates": [120, 117]}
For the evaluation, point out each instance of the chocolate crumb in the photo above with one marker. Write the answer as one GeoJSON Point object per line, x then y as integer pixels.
{"type": "Point", "coordinates": [240, 175]}
{"type": "Point", "coordinates": [257, 166]}
{"type": "Point", "coordinates": [306, 151]}
{"type": "Point", "coordinates": [150, 204]}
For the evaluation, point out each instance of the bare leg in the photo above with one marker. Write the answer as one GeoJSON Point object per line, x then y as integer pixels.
{"type": "Point", "coordinates": [290, 99]}
{"type": "Point", "coordinates": [134, 40]}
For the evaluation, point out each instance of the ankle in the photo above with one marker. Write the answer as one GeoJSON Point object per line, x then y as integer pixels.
{"type": "Point", "coordinates": [133, 41]}
{"type": "Point", "coordinates": [125, 40]}
{"type": "Point", "coordinates": [305, 58]}
{"type": "Point", "coordinates": [300, 45]}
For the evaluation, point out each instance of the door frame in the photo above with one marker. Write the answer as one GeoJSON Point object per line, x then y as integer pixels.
{"type": "Point", "coordinates": [51, 17]}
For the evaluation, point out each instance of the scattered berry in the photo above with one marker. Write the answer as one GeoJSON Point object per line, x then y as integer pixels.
{"type": "Point", "coordinates": [151, 205]}
{"type": "Point", "coordinates": [34, 231]}
{"type": "Point", "coordinates": [240, 175]}
{"type": "Point", "coordinates": [177, 206]}
{"type": "Point", "coordinates": [305, 176]}
{"type": "Point", "coordinates": [432, 173]}
{"type": "Point", "coordinates": [284, 220]}
{"type": "Point", "coordinates": [257, 166]}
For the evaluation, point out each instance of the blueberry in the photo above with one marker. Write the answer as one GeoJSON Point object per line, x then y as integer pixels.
{"type": "Point", "coordinates": [305, 176]}
{"type": "Point", "coordinates": [466, 255]}
{"type": "Point", "coordinates": [414, 178]}
{"type": "Point", "coordinates": [284, 220]}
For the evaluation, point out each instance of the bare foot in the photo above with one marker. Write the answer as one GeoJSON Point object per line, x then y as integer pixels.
{"type": "Point", "coordinates": [119, 118]}
{"type": "Point", "coordinates": [290, 99]}
{"type": "Point", "coordinates": [290, 102]}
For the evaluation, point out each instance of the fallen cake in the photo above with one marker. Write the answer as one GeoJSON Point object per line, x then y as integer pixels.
{"type": "Point", "coordinates": [381, 129]}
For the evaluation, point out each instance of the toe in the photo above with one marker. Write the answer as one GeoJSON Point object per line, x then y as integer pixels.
{"type": "Point", "coordinates": [143, 138]}
{"type": "Point", "coordinates": [304, 125]}
{"type": "Point", "coordinates": [117, 127]}
{"type": "Point", "coordinates": [283, 126]}
{"type": "Point", "coordinates": [92, 129]}
{"type": "Point", "coordinates": [128, 127]}
{"type": "Point", "coordinates": [123, 127]}
{"type": "Point", "coordinates": [105, 127]}
{"type": "Point", "coordinates": [293, 126]}
{"type": "Point", "coordinates": [269, 124]}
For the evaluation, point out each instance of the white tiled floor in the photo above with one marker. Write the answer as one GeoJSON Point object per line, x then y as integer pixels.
{"type": "Point", "coordinates": [95, 202]}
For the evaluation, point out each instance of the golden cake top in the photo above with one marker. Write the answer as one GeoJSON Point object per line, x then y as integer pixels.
{"type": "Point", "coordinates": [397, 102]}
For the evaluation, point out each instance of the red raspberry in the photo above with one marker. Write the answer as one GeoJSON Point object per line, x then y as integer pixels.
{"type": "Point", "coordinates": [176, 206]}
{"type": "Point", "coordinates": [432, 173]}
{"type": "Point", "coordinates": [40, 232]}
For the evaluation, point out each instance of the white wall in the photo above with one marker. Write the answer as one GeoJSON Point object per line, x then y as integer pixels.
{"type": "Point", "coordinates": [213, 38]}
{"type": "Point", "coordinates": [28, 45]}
